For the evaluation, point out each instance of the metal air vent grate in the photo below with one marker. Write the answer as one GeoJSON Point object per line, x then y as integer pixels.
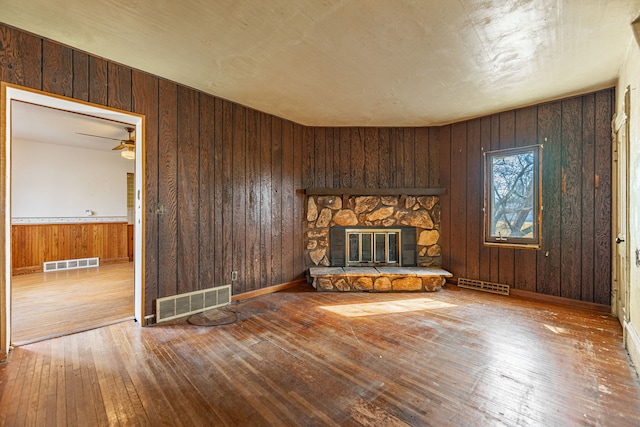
{"type": "Point", "coordinates": [192, 302]}
{"type": "Point", "coordinates": [70, 264]}
{"type": "Point", "coordinates": [481, 285]}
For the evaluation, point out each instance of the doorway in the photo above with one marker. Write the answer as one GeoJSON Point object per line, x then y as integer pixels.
{"type": "Point", "coordinates": [13, 93]}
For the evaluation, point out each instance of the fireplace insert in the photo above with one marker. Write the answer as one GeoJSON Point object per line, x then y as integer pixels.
{"type": "Point", "coordinates": [372, 246]}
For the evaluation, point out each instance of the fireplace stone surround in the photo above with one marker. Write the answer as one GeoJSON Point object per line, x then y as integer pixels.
{"type": "Point", "coordinates": [380, 209]}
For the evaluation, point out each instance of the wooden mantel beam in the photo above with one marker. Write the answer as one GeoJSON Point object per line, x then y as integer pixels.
{"type": "Point", "coordinates": [374, 191]}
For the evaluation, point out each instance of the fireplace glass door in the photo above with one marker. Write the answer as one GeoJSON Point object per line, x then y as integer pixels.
{"type": "Point", "coordinates": [373, 247]}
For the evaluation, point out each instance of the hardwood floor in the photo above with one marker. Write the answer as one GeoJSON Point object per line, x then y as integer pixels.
{"type": "Point", "coordinates": [46, 305]}
{"type": "Point", "coordinates": [451, 358]}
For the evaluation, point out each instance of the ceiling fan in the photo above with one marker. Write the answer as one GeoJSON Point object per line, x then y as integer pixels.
{"type": "Point", "coordinates": [128, 145]}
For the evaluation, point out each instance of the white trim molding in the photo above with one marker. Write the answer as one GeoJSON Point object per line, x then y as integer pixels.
{"type": "Point", "coordinates": [68, 220]}
{"type": "Point", "coordinates": [632, 342]}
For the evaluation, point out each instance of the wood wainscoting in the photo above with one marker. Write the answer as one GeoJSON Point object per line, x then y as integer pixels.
{"type": "Point", "coordinates": [130, 242]}
{"type": "Point", "coordinates": [34, 244]}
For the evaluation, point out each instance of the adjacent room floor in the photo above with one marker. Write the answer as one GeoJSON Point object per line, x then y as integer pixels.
{"type": "Point", "coordinates": [46, 305]}
{"type": "Point", "coordinates": [451, 358]}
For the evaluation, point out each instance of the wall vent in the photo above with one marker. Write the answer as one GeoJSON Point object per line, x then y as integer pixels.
{"type": "Point", "coordinates": [192, 302]}
{"type": "Point", "coordinates": [481, 285]}
{"type": "Point", "coordinates": [70, 264]}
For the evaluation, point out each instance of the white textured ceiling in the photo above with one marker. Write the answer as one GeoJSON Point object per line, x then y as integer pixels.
{"type": "Point", "coordinates": [48, 125]}
{"type": "Point", "coordinates": [353, 62]}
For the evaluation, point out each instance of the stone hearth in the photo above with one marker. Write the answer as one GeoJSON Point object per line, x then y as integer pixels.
{"type": "Point", "coordinates": [378, 279]}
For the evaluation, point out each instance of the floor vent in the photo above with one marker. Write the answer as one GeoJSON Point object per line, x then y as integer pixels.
{"type": "Point", "coordinates": [481, 285]}
{"type": "Point", "coordinates": [71, 264]}
{"type": "Point", "coordinates": [192, 302]}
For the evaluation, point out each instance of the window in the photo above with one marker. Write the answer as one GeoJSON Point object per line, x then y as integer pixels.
{"type": "Point", "coordinates": [513, 197]}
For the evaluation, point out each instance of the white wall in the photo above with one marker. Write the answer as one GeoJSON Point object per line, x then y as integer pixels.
{"type": "Point", "coordinates": [630, 76]}
{"type": "Point", "coordinates": [57, 182]}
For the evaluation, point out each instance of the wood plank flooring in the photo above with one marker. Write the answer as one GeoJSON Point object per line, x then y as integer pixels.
{"type": "Point", "coordinates": [46, 305]}
{"type": "Point", "coordinates": [302, 358]}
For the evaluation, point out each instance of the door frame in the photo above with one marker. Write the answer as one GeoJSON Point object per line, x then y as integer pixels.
{"type": "Point", "coordinates": [9, 93]}
{"type": "Point", "coordinates": [621, 249]}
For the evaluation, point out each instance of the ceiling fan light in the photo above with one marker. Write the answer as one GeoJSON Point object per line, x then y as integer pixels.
{"type": "Point", "coordinates": [128, 154]}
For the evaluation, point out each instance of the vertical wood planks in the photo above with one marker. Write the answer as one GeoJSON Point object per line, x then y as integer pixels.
{"type": "Point", "coordinates": [308, 160]}
{"type": "Point", "coordinates": [371, 147]}
{"type": "Point", "coordinates": [421, 159]}
{"type": "Point", "coordinates": [20, 58]}
{"type": "Point", "coordinates": [319, 157]}
{"type": "Point", "coordinates": [458, 200]}
{"type": "Point", "coordinates": [329, 159]}
{"type": "Point", "coordinates": [548, 258]}
{"type": "Point", "coordinates": [587, 225]}
{"type": "Point", "coordinates": [571, 261]}
{"type": "Point", "coordinates": [604, 108]}
{"type": "Point", "coordinates": [287, 197]}
{"type": "Point", "coordinates": [276, 196]}
{"type": "Point", "coordinates": [397, 157]}
{"type": "Point", "coordinates": [119, 86]}
{"type": "Point", "coordinates": [345, 157]}
{"type": "Point", "coordinates": [217, 229]}
{"type": "Point", "coordinates": [445, 199]}
{"type": "Point", "coordinates": [206, 189]}
{"type": "Point", "coordinates": [336, 154]}
{"type": "Point", "coordinates": [473, 200]}
{"type": "Point", "coordinates": [145, 101]}
{"type": "Point", "coordinates": [57, 68]}
{"type": "Point", "coordinates": [252, 210]}
{"type": "Point", "coordinates": [298, 208]}
{"type": "Point", "coordinates": [167, 189]}
{"type": "Point", "coordinates": [239, 202]}
{"type": "Point", "coordinates": [34, 244]}
{"type": "Point", "coordinates": [434, 157]}
{"type": "Point", "coordinates": [484, 269]}
{"type": "Point", "coordinates": [98, 84]}
{"type": "Point", "coordinates": [266, 218]}
{"type": "Point", "coordinates": [226, 236]}
{"type": "Point", "coordinates": [357, 158]}
{"type": "Point", "coordinates": [188, 189]}
{"type": "Point", "coordinates": [384, 163]}
{"type": "Point", "coordinates": [80, 75]}
{"type": "Point", "coordinates": [408, 162]}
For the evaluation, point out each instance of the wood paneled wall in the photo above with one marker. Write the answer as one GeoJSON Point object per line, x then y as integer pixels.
{"type": "Point", "coordinates": [227, 178]}
{"type": "Point", "coordinates": [575, 259]}
{"type": "Point", "coordinates": [371, 157]}
{"type": "Point", "coordinates": [34, 244]}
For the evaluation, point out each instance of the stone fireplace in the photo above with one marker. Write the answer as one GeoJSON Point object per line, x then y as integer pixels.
{"type": "Point", "coordinates": [372, 230]}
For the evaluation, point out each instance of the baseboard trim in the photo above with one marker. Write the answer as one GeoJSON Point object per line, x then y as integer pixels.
{"type": "Point", "coordinates": [119, 260]}
{"type": "Point", "coordinates": [591, 306]}
{"type": "Point", "coordinates": [633, 345]}
{"type": "Point", "coordinates": [269, 290]}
